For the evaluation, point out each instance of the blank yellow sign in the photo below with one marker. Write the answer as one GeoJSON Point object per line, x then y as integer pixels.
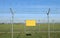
{"type": "Point", "coordinates": [30, 22]}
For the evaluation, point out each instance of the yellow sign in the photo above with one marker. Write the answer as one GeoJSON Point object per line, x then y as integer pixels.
{"type": "Point", "coordinates": [30, 22]}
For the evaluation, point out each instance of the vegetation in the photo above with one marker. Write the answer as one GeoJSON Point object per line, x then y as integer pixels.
{"type": "Point", "coordinates": [39, 31]}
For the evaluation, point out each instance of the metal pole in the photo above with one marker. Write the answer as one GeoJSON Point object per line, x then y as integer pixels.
{"type": "Point", "coordinates": [25, 26]}
{"type": "Point", "coordinates": [39, 26]}
{"type": "Point", "coordinates": [12, 24]}
{"type": "Point", "coordinates": [48, 23]}
{"type": "Point", "coordinates": [53, 25]}
{"type": "Point", "coordinates": [48, 27]}
{"type": "Point", "coordinates": [12, 20]}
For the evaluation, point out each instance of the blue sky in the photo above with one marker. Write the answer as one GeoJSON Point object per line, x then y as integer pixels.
{"type": "Point", "coordinates": [29, 9]}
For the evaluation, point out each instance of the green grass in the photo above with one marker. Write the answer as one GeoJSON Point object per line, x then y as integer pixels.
{"type": "Point", "coordinates": [5, 27]}
{"type": "Point", "coordinates": [34, 31]}
{"type": "Point", "coordinates": [34, 35]}
{"type": "Point", "coordinates": [5, 35]}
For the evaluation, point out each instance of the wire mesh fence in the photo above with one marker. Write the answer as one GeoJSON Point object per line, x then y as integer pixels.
{"type": "Point", "coordinates": [46, 27]}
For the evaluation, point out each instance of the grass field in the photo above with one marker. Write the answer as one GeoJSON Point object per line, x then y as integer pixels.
{"type": "Point", "coordinates": [39, 31]}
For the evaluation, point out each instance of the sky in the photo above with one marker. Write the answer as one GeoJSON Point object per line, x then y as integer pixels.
{"type": "Point", "coordinates": [29, 9]}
